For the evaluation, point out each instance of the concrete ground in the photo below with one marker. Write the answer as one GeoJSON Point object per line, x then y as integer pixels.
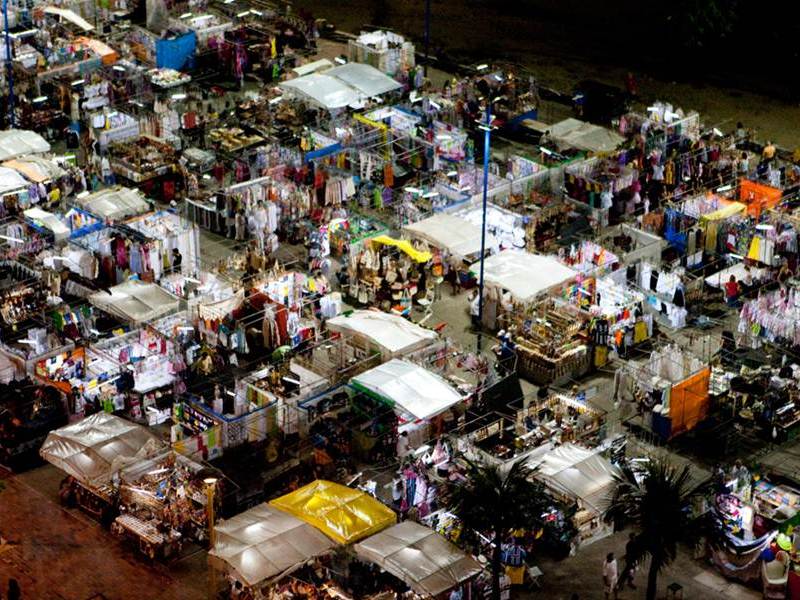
{"type": "Point", "coordinates": [60, 554]}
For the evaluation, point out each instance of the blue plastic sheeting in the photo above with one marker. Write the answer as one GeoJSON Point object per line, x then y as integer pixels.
{"type": "Point", "coordinates": [327, 151]}
{"type": "Point", "coordinates": [515, 122]}
{"type": "Point", "coordinates": [177, 53]}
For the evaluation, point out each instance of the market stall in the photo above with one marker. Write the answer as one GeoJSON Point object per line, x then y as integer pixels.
{"type": "Point", "coordinates": [576, 474]}
{"type": "Point", "coordinates": [143, 160]}
{"type": "Point", "coordinates": [552, 341]}
{"type": "Point", "coordinates": [411, 389]}
{"type": "Point", "coordinates": [451, 234]}
{"type": "Point", "coordinates": [170, 232]}
{"type": "Point", "coordinates": [93, 450]}
{"type": "Point", "coordinates": [515, 278]}
{"type": "Point", "coordinates": [20, 142]}
{"type": "Point", "coordinates": [572, 133]}
{"type": "Point", "coordinates": [387, 51]}
{"type": "Point", "coordinates": [602, 186]}
{"type": "Point", "coordinates": [390, 335]}
{"type": "Point", "coordinates": [428, 563]}
{"type": "Point", "coordinates": [670, 390]}
{"type": "Point", "coordinates": [146, 364]}
{"type": "Point", "coordinates": [343, 514]}
{"type": "Point", "coordinates": [387, 272]}
{"type": "Point", "coordinates": [162, 503]}
{"type": "Point", "coordinates": [758, 197]}
{"type": "Point", "coordinates": [114, 204]}
{"type": "Point", "coordinates": [263, 544]}
{"type": "Point", "coordinates": [135, 301]}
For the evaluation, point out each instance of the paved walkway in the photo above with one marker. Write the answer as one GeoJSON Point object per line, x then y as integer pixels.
{"type": "Point", "coordinates": [582, 574]}
{"type": "Point", "coordinates": [59, 554]}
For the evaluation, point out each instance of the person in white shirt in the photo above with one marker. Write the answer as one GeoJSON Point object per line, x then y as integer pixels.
{"type": "Point", "coordinates": [403, 445]}
{"type": "Point", "coordinates": [610, 576]}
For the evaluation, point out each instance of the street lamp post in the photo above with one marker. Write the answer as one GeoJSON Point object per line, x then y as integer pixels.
{"type": "Point", "coordinates": [487, 131]}
{"type": "Point", "coordinates": [427, 34]}
{"type": "Point", "coordinates": [9, 67]}
{"type": "Point", "coordinates": [211, 488]}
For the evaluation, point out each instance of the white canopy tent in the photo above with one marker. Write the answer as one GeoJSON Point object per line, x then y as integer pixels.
{"type": "Point", "coordinates": [346, 85]}
{"type": "Point", "coordinates": [523, 274]}
{"type": "Point", "coordinates": [265, 543]}
{"type": "Point", "coordinates": [313, 67]}
{"type": "Point", "coordinates": [323, 90]}
{"type": "Point", "coordinates": [368, 80]}
{"type": "Point", "coordinates": [11, 180]}
{"type": "Point", "coordinates": [69, 16]}
{"type": "Point", "coordinates": [451, 233]}
{"type": "Point", "coordinates": [392, 334]}
{"type": "Point", "coordinates": [409, 387]}
{"type": "Point", "coordinates": [136, 301]}
{"type": "Point", "coordinates": [35, 168]}
{"type": "Point", "coordinates": [49, 221]}
{"type": "Point", "coordinates": [585, 136]}
{"type": "Point", "coordinates": [114, 203]}
{"type": "Point", "coordinates": [97, 446]}
{"type": "Point", "coordinates": [18, 142]}
{"type": "Point", "coordinates": [577, 472]}
{"type": "Point", "coordinates": [428, 563]}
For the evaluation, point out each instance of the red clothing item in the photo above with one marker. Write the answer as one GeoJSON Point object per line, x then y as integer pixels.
{"type": "Point", "coordinates": [731, 289]}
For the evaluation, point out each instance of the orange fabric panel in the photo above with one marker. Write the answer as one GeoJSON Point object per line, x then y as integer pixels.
{"type": "Point", "coordinates": [688, 402]}
{"type": "Point", "coordinates": [758, 196]}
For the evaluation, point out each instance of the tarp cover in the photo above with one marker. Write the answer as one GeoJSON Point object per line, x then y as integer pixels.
{"type": "Point", "coordinates": [18, 142]}
{"type": "Point", "coordinates": [342, 513]}
{"type": "Point", "coordinates": [265, 543]}
{"type": "Point", "coordinates": [585, 136]}
{"type": "Point", "coordinates": [322, 89]}
{"type": "Point", "coordinates": [70, 16]}
{"type": "Point", "coordinates": [729, 209]}
{"type": "Point", "coordinates": [368, 80]}
{"type": "Point", "coordinates": [411, 388]}
{"type": "Point", "coordinates": [392, 333]}
{"type": "Point", "coordinates": [114, 203]}
{"type": "Point", "coordinates": [523, 274]}
{"type": "Point", "coordinates": [136, 301]}
{"type": "Point", "coordinates": [313, 67]}
{"type": "Point", "coordinates": [11, 180]}
{"type": "Point", "coordinates": [35, 168]}
{"type": "Point", "coordinates": [420, 557]}
{"type": "Point", "coordinates": [449, 232]}
{"type": "Point", "coordinates": [577, 472]}
{"type": "Point", "coordinates": [47, 220]}
{"type": "Point", "coordinates": [404, 246]}
{"type": "Point", "coordinates": [97, 446]}
{"type": "Point", "coordinates": [176, 53]}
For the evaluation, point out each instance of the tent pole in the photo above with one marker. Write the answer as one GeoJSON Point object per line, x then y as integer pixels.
{"type": "Point", "coordinates": [9, 67]}
{"type": "Point", "coordinates": [486, 142]}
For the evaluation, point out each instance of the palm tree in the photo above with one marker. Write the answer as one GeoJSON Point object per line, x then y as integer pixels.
{"type": "Point", "coordinates": [499, 500]}
{"type": "Point", "coordinates": [657, 504]}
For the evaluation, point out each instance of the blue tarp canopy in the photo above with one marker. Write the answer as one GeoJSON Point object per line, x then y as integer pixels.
{"type": "Point", "coordinates": [176, 53]}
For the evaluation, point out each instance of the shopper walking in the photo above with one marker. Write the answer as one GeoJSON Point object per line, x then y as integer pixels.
{"type": "Point", "coordinates": [610, 576]}
{"type": "Point", "coordinates": [629, 571]}
{"type": "Point", "coordinates": [14, 592]}
{"type": "Point", "coordinates": [732, 292]}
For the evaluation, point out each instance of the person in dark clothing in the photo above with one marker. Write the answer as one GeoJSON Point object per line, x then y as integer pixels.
{"type": "Point", "coordinates": [630, 563]}
{"type": "Point", "coordinates": [177, 259]}
{"type": "Point", "coordinates": [14, 592]}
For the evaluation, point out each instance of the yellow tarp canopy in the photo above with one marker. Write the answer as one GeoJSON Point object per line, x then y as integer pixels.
{"type": "Point", "coordinates": [723, 213]}
{"type": "Point", "coordinates": [342, 513]}
{"type": "Point", "coordinates": [405, 246]}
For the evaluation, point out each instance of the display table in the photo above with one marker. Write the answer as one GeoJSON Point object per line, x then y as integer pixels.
{"type": "Point", "coordinates": [151, 542]}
